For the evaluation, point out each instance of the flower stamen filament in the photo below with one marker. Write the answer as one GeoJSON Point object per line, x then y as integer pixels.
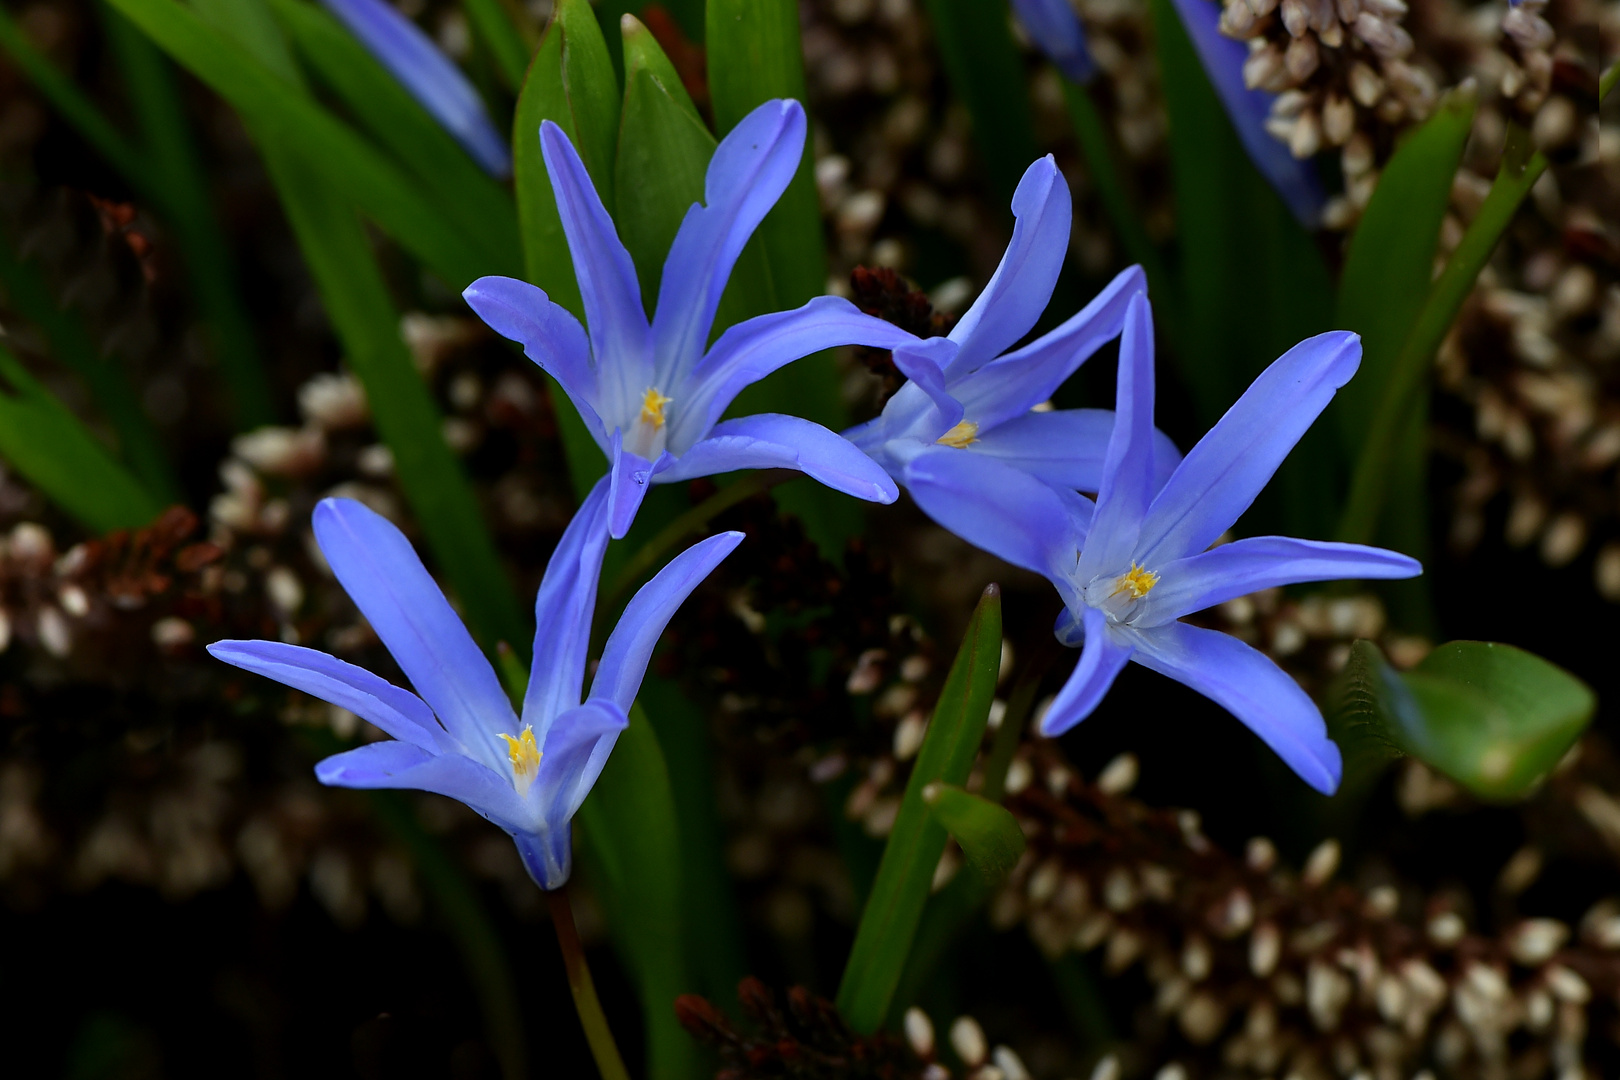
{"type": "Point", "coordinates": [652, 407]}
{"type": "Point", "coordinates": [961, 436]}
{"type": "Point", "coordinates": [524, 754]}
{"type": "Point", "coordinates": [1135, 583]}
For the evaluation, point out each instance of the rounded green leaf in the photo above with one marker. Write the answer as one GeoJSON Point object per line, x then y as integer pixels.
{"type": "Point", "coordinates": [987, 832]}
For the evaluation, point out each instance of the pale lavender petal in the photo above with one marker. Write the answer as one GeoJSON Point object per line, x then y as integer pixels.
{"type": "Point", "coordinates": [1128, 470]}
{"type": "Point", "coordinates": [550, 336]}
{"type": "Point", "coordinates": [1066, 447]}
{"type": "Point", "coordinates": [573, 756]}
{"type": "Point", "coordinates": [1253, 688]}
{"type": "Point", "coordinates": [920, 364]}
{"type": "Point", "coordinates": [401, 765]}
{"type": "Point", "coordinates": [629, 476]}
{"type": "Point", "coordinates": [630, 646]}
{"type": "Point", "coordinates": [563, 609]}
{"type": "Point", "coordinates": [1296, 181]}
{"type": "Point", "coordinates": [1102, 658]}
{"type": "Point", "coordinates": [380, 570]}
{"type": "Point", "coordinates": [1262, 562]}
{"type": "Point", "coordinates": [1011, 385]}
{"type": "Point", "coordinates": [1055, 29]}
{"type": "Point", "coordinates": [775, 441]}
{"type": "Point", "coordinates": [428, 76]}
{"type": "Point", "coordinates": [1221, 476]}
{"type": "Point", "coordinates": [749, 171]}
{"type": "Point", "coordinates": [398, 712]}
{"type": "Point", "coordinates": [1017, 293]}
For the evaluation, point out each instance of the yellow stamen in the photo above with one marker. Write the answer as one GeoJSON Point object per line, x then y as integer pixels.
{"type": "Point", "coordinates": [1137, 582]}
{"type": "Point", "coordinates": [652, 407]}
{"type": "Point", "coordinates": [525, 755]}
{"type": "Point", "coordinates": [961, 436]}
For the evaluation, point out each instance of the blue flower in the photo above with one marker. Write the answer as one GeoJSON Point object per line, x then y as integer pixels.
{"type": "Point", "coordinates": [652, 393]}
{"type": "Point", "coordinates": [1055, 29]}
{"type": "Point", "coordinates": [966, 392]}
{"type": "Point", "coordinates": [1295, 180]}
{"type": "Point", "coordinates": [1130, 565]}
{"type": "Point", "coordinates": [412, 58]}
{"type": "Point", "coordinates": [460, 737]}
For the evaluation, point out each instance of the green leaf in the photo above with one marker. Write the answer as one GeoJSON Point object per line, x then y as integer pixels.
{"type": "Point", "coordinates": [45, 442]}
{"type": "Point", "coordinates": [987, 832]}
{"type": "Point", "coordinates": [895, 905]}
{"type": "Point", "coordinates": [495, 27]}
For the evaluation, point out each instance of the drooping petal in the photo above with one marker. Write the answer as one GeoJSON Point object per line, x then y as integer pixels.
{"type": "Point", "coordinates": [775, 441]}
{"type": "Point", "coordinates": [1261, 562]}
{"type": "Point", "coordinates": [749, 171]}
{"type": "Point", "coordinates": [1011, 385]}
{"type": "Point", "coordinates": [381, 572]}
{"type": "Point", "coordinates": [429, 76]}
{"type": "Point", "coordinates": [1296, 181]}
{"type": "Point", "coordinates": [630, 646]}
{"type": "Point", "coordinates": [550, 336]}
{"type": "Point", "coordinates": [1019, 289]}
{"type": "Point", "coordinates": [922, 408]}
{"type": "Point", "coordinates": [752, 349]}
{"type": "Point", "coordinates": [1006, 512]}
{"type": "Point", "coordinates": [1128, 470]}
{"type": "Point", "coordinates": [562, 614]}
{"type": "Point", "coordinates": [398, 712]}
{"type": "Point", "coordinates": [629, 477]}
{"type": "Point", "coordinates": [1066, 447]}
{"type": "Point", "coordinates": [1253, 688]}
{"type": "Point", "coordinates": [1055, 29]}
{"type": "Point", "coordinates": [918, 363]}
{"type": "Point", "coordinates": [400, 765]}
{"type": "Point", "coordinates": [1220, 477]}
{"type": "Point", "coordinates": [1102, 658]}
{"type": "Point", "coordinates": [614, 317]}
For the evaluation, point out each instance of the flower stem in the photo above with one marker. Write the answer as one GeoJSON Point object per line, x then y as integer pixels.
{"type": "Point", "coordinates": [591, 1017]}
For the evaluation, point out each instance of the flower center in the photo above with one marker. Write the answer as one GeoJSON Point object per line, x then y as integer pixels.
{"type": "Point", "coordinates": [652, 407]}
{"type": "Point", "coordinates": [524, 753]}
{"type": "Point", "coordinates": [1135, 583]}
{"type": "Point", "coordinates": [961, 436]}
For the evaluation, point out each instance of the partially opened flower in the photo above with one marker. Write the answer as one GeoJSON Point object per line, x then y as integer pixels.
{"type": "Point", "coordinates": [967, 392]}
{"type": "Point", "coordinates": [1130, 565]}
{"type": "Point", "coordinates": [652, 393]}
{"type": "Point", "coordinates": [429, 76]}
{"type": "Point", "coordinates": [1054, 28]}
{"type": "Point", "coordinates": [458, 735]}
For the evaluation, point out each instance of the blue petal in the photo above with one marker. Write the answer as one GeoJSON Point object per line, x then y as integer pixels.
{"type": "Point", "coordinates": [774, 441]}
{"type": "Point", "coordinates": [1245, 566]}
{"type": "Point", "coordinates": [629, 477]}
{"type": "Point", "coordinates": [1006, 512]}
{"type": "Point", "coordinates": [1296, 181]}
{"type": "Point", "coordinates": [573, 755]}
{"type": "Point", "coordinates": [921, 364]}
{"type": "Point", "coordinates": [1011, 385]}
{"type": "Point", "coordinates": [1221, 476]}
{"type": "Point", "coordinates": [549, 334]}
{"type": "Point", "coordinates": [1254, 689]}
{"type": "Point", "coordinates": [607, 281]}
{"type": "Point", "coordinates": [1018, 291]}
{"type": "Point", "coordinates": [749, 171]}
{"type": "Point", "coordinates": [429, 76]}
{"type": "Point", "coordinates": [752, 349]}
{"type": "Point", "coordinates": [400, 765]}
{"type": "Point", "coordinates": [381, 572]}
{"type": "Point", "coordinates": [1102, 658]}
{"type": "Point", "coordinates": [399, 712]}
{"type": "Point", "coordinates": [563, 609]}
{"type": "Point", "coordinates": [1055, 29]}
{"type": "Point", "coordinates": [630, 646]}
{"type": "Point", "coordinates": [1066, 447]}
{"type": "Point", "coordinates": [1128, 470]}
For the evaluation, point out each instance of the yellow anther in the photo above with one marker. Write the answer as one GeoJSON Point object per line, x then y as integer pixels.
{"type": "Point", "coordinates": [961, 436]}
{"type": "Point", "coordinates": [652, 407]}
{"type": "Point", "coordinates": [1136, 583]}
{"type": "Point", "coordinates": [525, 755]}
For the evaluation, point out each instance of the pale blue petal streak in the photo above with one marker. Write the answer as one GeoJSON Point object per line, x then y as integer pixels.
{"type": "Point", "coordinates": [1055, 29]}
{"type": "Point", "coordinates": [1066, 447]}
{"type": "Point", "coordinates": [1128, 470]}
{"type": "Point", "coordinates": [400, 765]}
{"type": "Point", "coordinates": [550, 336]}
{"type": "Point", "coordinates": [775, 441]}
{"type": "Point", "coordinates": [1102, 658]}
{"type": "Point", "coordinates": [562, 614]}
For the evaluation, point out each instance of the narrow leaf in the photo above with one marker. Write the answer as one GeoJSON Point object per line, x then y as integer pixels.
{"type": "Point", "coordinates": [987, 832]}
{"type": "Point", "coordinates": [495, 27]}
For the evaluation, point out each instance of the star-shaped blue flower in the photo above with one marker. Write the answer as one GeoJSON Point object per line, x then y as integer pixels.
{"type": "Point", "coordinates": [457, 735]}
{"type": "Point", "coordinates": [652, 392]}
{"type": "Point", "coordinates": [1130, 565]}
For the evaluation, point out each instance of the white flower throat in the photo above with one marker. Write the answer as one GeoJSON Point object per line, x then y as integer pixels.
{"type": "Point", "coordinates": [650, 433]}
{"type": "Point", "coordinates": [1119, 596]}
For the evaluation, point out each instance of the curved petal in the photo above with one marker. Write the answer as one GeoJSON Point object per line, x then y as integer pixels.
{"type": "Point", "coordinates": [1220, 477]}
{"type": "Point", "coordinates": [1245, 566]}
{"type": "Point", "coordinates": [398, 712]}
{"type": "Point", "coordinates": [1022, 284]}
{"type": "Point", "coordinates": [1006, 512]}
{"type": "Point", "coordinates": [749, 171]}
{"type": "Point", "coordinates": [753, 348]}
{"type": "Point", "coordinates": [1253, 688]}
{"type": "Point", "coordinates": [1055, 29]}
{"type": "Point", "coordinates": [572, 758]}
{"type": "Point", "coordinates": [1013, 384]}
{"type": "Point", "coordinates": [630, 646]}
{"type": "Point", "coordinates": [550, 336]}
{"type": "Point", "coordinates": [1066, 447]}
{"type": "Point", "coordinates": [428, 76]}
{"type": "Point", "coordinates": [607, 280]}
{"type": "Point", "coordinates": [1128, 474]}
{"type": "Point", "coordinates": [920, 364]}
{"type": "Point", "coordinates": [1102, 658]}
{"type": "Point", "coordinates": [629, 476]}
{"type": "Point", "coordinates": [380, 570]}
{"type": "Point", "coordinates": [401, 765]}
{"type": "Point", "coordinates": [774, 441]}
{"type": "Point", "coordinates": [563, 609]}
